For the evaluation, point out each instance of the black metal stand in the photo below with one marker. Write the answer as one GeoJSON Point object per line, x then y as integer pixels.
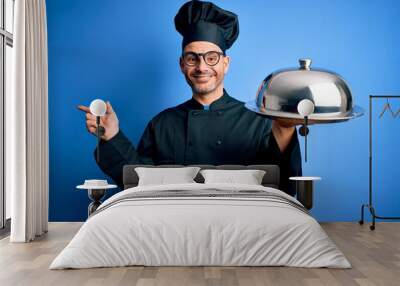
{"type": "Point", "coordinates": [95, 195]}
{"type": "Point", "coordinates": [369, 205]}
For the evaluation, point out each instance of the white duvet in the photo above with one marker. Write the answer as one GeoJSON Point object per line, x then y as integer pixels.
{"type": "Point", "coordinates": [185, 231]}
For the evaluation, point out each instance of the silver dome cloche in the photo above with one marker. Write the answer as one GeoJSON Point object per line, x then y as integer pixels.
{"type": "Point", "coordinates": [281, 92]}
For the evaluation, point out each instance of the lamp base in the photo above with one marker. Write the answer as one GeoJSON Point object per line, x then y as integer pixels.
{"type": "Point", "coordinates": [304, 130]}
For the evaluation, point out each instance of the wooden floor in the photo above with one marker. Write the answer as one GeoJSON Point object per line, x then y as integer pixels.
{"type": "Point", "coordinates": [374, 255]}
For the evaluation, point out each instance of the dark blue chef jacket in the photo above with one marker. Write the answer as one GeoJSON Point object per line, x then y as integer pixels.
{"type": "Point", "coordinates": [225, 133]}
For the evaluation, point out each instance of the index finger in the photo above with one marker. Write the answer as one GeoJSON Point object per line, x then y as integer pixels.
{"type": "Point", "coordinates": [83, 108]}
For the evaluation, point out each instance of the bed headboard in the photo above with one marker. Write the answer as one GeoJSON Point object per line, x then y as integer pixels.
{"type": "Point", "coordinates": [270, 179]}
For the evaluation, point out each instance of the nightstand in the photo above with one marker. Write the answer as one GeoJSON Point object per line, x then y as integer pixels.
{"type": "Point", "coordinates": [96, 191]}
{"type": "Point", "coordinates": [304, 190]}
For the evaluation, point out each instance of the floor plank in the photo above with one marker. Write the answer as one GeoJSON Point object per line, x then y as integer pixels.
{"type": "Point", "coordinates": [374, 255]}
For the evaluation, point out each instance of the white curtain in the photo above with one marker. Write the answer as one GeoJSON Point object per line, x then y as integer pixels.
{"type": "Point", "coordinates": [27, 124]}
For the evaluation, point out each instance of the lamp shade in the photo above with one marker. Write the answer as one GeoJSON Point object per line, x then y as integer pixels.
{"type": "Point", "coordinates": [305, 107]}
{"type": "Point", "coordinates": [98, 107]}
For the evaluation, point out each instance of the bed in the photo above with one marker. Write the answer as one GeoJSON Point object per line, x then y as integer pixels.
{"type": "Point", "coordinates": [198, 224]}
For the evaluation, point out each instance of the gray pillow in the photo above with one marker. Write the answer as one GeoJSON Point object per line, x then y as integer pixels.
{"type": "Point", "coordinates": [163, 176]}
{"type": "Point", "coordinates": [248, 177]}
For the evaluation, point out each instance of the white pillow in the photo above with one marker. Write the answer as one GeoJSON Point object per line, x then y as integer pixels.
{"type": "Point", "coordinates": [248, 177]}
{"type": "Point", "coordinates": [163, 176]}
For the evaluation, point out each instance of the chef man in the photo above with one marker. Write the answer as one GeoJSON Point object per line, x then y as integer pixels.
{"type": "Point", "coordinates": [211, 127]}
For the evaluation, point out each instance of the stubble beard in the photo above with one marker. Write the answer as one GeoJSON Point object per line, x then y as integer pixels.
{"type": "Point", "coordinates": [204, 90]}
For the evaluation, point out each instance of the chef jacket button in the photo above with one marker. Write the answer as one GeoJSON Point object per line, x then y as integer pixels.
{"type": "Point", "coordinates": [219, 112]}
{"type": "Point", "coordinates": [219, 142]}
{"type": "Point", "coordinates": [194, 113]}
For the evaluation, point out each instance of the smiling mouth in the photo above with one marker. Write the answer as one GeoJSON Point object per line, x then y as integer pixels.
{"type": "Point", "coordinates": [202, 78]}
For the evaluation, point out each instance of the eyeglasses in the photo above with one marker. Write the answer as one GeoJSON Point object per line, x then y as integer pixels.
{"type": "Point", "coordinates": [211, 58]}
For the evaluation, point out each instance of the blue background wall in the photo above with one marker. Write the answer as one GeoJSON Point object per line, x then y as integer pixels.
{"type": "Point", "coordinates": [127, 52]}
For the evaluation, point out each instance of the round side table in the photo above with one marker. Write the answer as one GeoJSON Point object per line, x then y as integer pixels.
{"type": "Point", "coordinates": [304, 190]}
{"type": "Point", "coordinates": [95, 194]}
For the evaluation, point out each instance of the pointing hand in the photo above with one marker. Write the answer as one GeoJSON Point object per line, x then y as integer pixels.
{"type": "Point", "coordinates": [109, 121]}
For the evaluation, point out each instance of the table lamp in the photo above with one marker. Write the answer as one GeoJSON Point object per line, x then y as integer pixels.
{"type": "Point", "coordinates": [98, 108]}
{"type": "Point", "coordinates": [305, 108]}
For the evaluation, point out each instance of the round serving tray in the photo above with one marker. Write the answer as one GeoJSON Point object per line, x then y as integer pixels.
{"type": "Point", "coordinates": [312, 119]}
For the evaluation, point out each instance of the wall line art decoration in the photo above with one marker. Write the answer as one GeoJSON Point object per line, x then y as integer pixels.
{"type": "Point", "coordinates": [387, 107]}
